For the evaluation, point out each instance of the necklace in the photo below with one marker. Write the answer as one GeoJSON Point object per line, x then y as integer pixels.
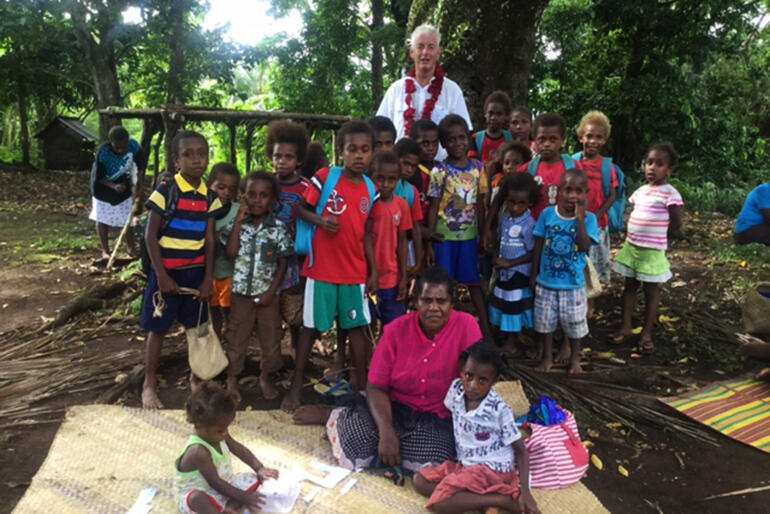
{"type": "Point", "coordinates": [434, 90]}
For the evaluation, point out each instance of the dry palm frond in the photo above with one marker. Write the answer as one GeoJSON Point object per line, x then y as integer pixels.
{"type": "Point", "coordinates": [610, 402]}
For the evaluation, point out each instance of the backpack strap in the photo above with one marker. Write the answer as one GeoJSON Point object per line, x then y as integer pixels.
{"type": "Point", "coordinates": [171, 202]}
{"type": "Point", "coordinates": [480, 135]}
{"type": "Point", "coordinates": [568, 162]}
{"type": "Point", "coordinates": [406, 191]}
{"type": "Point", "coordinates": [606, 176]}
{"type": "Point", "coordinates": [533, 165]}
{"type": "Point", "coordinates": [328, 188]}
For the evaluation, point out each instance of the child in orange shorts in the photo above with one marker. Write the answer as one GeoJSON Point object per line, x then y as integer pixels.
{"type": "Point", "coordinates": [224, 180]}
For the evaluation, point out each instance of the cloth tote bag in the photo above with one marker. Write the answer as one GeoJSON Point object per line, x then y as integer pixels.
{"type": "Point", "coordinates": [557, 457]}
{"type": "Point", "coordinates": [206, 356]}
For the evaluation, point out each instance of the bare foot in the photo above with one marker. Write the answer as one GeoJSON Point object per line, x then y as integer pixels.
{"type": "Point", "coordinates": [646, 346]}
{"type": "Point", "coordinates": [150, 398]}
{"type": "Point", "coordinates": [565, 353]}
{"type": "Point", "coordinates": [763, 375]}
{"type": "Point", "coordinates": [535, 354]}
{"type": "Point", "coordinates": [545, 365]}
{"type": "Point", "coordinates": [232, 388]}
{"type": "Point", "coordinates": [312, 414]}
{"type": "Point", "coordinates": [621, 336]}
{"type": "Point", "coordinates": [590, 311]}
{"type": "Point", "coordinates": [574, 365]}
{"type": "Point", "coordinates": [195, 383]}
{"type": "Point", "coordinates": [292, 399]}
{"type": "Point", "coordinates": [269, 390]}
{"type": "Point", "coordinates": [509, 347]}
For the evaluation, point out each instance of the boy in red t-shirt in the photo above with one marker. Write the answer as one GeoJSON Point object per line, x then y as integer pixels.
{"type": "Point", "coordinates": [344, 269]}
{"type": "Point", "coordinates": [593, 132]}
{"type": "Point", "coordinates": [286, 147]}
{"type": "Point", "coordinates": [550, 132]}
{"type": "Point", "coordinates": [497, 112]}
{"type": "Point", "coordinates": [388, 224]}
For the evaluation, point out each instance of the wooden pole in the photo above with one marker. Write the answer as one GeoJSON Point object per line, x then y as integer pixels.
{"type": "Point", "coordinates": [250, 128]}
{"type": "Point", "coordinates": [157, 157]}
{"type": "Point", "coordinates": [126, 228]}
{"type": "Point", "coordinates": [233, 156]}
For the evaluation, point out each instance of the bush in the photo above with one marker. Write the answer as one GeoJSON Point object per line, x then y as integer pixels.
{"type": "Point", "coordinates": [708, 197]}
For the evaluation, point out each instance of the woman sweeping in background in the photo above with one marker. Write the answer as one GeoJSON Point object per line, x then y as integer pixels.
{"type": "Point", "coordinates": [113, 176]}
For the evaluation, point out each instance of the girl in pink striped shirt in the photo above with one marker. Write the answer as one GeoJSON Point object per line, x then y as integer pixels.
{"type": "Point", "coordinates": [657, 213]}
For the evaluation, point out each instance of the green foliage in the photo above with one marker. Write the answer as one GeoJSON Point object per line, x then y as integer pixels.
{"type": "Point", "coordinates": [692, 73]}
{"type": "Point", "coordinates": [708, 197]}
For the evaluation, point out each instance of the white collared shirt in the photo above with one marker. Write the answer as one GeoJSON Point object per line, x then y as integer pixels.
{"type": "Point", "coordinates": [486, 434]}
{"type": "Point", "coordinates": [450, 101]}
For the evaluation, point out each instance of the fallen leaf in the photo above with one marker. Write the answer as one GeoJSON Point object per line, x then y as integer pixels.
{"type": "Point", "coordinates": [588, 444]}
{"type": "Point", "coordinates": [592, 433]}
{"type": "Point", "coordinates": [719, 372]}
{"type": "Point", "coordinates": [679, 283]}
{"type": "Point", "coordinates": [80, 343]}
{"type": "Point", "coordinates": [637, 331]}
{"type": "Point", "coordinates": [597, 462]}
{"type": "Point", "coordinates": [140, 338]}
{"type": "Point", "coordinates": [614, 424]}
{"type": "Point", "coordinates": [636, 356]}
{"type": "Point", "coordinates": [615, 360]}
{"type": "Point", "coordinates": [584, 350]}
{"type": "Point", "coordinates": [742, 264]}
{"type": "Point", "coordinates": [623, 471]}
{"type": "Point", "coordinates": [604, 355]}
{"type": "Point", "coordinates": [249, 408]}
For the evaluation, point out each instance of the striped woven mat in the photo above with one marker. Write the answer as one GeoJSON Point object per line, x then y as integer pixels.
{"type": "Point", "coordinates": [738, 408]}
{"type": "Point", "coordinates": [104, 455]}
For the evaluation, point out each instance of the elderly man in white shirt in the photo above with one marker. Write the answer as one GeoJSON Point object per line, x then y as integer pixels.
{"type": "Point", "coordinates": [425, 92]}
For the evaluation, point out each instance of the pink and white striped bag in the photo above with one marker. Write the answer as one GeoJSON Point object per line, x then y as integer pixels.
{"type": "Point", "coordinates": [557, 457]}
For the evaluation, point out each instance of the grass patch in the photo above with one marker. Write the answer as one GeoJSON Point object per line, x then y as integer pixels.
{"type": "Point", "coordinates": [66, 242]}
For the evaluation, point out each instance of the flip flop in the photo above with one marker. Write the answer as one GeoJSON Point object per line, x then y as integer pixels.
{"type": "Point", "coordinates": [333, 387]}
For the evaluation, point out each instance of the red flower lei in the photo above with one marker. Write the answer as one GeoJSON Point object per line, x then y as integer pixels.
{"type": "Point", "coordinates": [434, 90]}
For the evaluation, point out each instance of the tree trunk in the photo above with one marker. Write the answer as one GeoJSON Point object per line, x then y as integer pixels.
{"type": "Point", "coordinates": [378, 14]}
{"type": "Point", "coordinates": [23, 121]}
{"type": "Point", "coordinates": [176, 65]}
{"type": "Point", "coordinates": [99, 53]}
{"type": "Point", "coordinates": [484, 49]}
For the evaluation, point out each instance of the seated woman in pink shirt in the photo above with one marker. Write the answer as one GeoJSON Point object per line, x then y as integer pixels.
{"type": "Point", "coordinates": [403, 420]}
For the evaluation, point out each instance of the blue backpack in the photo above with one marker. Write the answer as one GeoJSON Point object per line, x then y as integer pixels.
{"type": "Point", "coordinates": [405, 190]}
{"type": "Point", "coordinates": [481, 134]}
{"type": "Point", "coordinates": [568, 161]}
{"type": "Point", "coordinates": [616, 211]}
{"type": "Point", "coordinates": [303, 242]}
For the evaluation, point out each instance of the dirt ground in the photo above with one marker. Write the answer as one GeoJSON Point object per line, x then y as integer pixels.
{"type": "Point", "coordinates": [47, 246]}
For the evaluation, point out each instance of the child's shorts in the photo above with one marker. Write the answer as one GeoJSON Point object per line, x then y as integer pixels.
{"type": "Point", "coordinates": [460, 259]}
{"type": "Point", "coordinates": [223, 292]}
{"type": "Point", "coordinates": [243, 481]}
{"type": "Point", "coordinates": [181, 307]}
{"type": "Point", "coordinates": [565, 307]}
{"type": "Point", "coordinates": [643, 264]}
{"type": "Point", "coordinates": [600, 255]}
{"type": "Point", "coordinates": [453, 478]}
{"type": "Point", "coordinates": [324, 301]}
{"type": "Point", "coordinates": [387, 308]}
